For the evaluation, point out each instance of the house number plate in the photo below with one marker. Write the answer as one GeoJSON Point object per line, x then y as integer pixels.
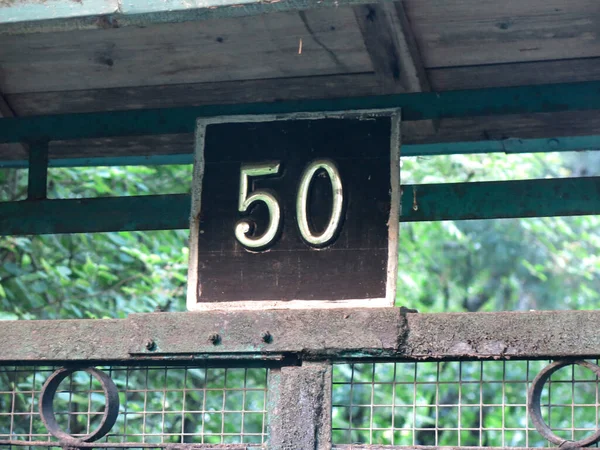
{"type": "Point", "coordinates": [295, 211]}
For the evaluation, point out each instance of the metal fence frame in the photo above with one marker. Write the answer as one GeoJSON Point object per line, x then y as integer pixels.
{"type": "Point", "coordinates": [299, 347]}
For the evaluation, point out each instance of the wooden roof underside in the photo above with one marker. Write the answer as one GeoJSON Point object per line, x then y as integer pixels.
{"type": "Point", "coordinates": [349, 50]}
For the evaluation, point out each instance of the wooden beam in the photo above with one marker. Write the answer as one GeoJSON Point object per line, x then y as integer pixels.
{"type": "Point", "coordinates": [392, 47]}
{"type": "Point", "coordinates": [30, 17]}
{"type": "Point", "coordinates": [504, 127]}
{"type": "Point", "coordinates": [240, 49]}
{"type": "Point", "coordinates": [193, 94]}
{"type": "Point", "coordinates": [5, 110]}
{"type": "Point", "coordinates": [483, 32]}
{"type": "Point", "coordinates": [295, 88]}
{"type": "Point", "coordinates": [514, 74]}
{"type": "Point", "coordinates": [15, 150]}
{"type": "Point", "coordinates": [542, 132]}
{"type": "Point", "coordinates": [415, 106]}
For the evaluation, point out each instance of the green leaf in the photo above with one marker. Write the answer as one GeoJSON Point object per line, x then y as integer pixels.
{"type": "Point", "coordinates": [12, 268]}
{"type": "Point", "coordinates": [5, 315]}
{"type": "Point", "coordinates": [63, 271]}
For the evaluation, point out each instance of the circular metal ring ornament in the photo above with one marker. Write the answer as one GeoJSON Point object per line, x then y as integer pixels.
{"type": "Point", "coordinates": [534, 403]}
{"type": "Point", "coordinates": [111, 408]}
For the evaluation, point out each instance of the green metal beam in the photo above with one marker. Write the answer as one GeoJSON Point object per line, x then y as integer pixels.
{"type": "Point", "coordinates": [110, 161]}
{"type": "Point", "coordinates": [501, 199]}
{"type": "Point", "coordinates": [512, 145]}
{"type": "Point", "coordinates": [415, 106]}
{"type": "Point", "coordinates": [429, 202]}
{"type": "Point", "coordinates": [152, 212]}
{"type": "Point", "coordinates": [38, 171]}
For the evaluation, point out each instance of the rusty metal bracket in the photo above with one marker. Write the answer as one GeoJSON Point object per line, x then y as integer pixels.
{"type": "Point", "coordinates": [534, 404]}
{"type": "Point", "coordinates": [111, 409]}
{"type": "Point", "coordinates": [111, 412]}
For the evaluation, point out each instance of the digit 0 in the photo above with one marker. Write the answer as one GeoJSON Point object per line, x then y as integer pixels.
{"type": "Point", "coordinates": [335, 220]}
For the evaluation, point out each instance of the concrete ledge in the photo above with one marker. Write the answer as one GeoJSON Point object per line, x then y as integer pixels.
{"type": "Point", "coordinates": [337, 334]}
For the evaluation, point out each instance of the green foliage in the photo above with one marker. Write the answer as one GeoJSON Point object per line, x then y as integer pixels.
{"type": "Point", "coordinates": [104, 275]}
{"type": "Point", "coordinates": [157, 404]}
{"type": "Point", "coordinates": [499, 265]}
{"type": "Point", "coordinates": [548, 263]}
{"type": "Point", "coordinates": [469, 403]}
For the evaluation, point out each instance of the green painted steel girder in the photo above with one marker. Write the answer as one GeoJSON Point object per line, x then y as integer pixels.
{"type": "Point", "coordinates": [38, 171]}
{"type": "Point", "coordinates": [429, 202]}
{"type": "Point", "coordinates": [415, 106]}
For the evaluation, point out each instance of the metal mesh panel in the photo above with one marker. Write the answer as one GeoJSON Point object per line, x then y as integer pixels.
{"type": "Point", "coordinates": [459, 403]}
{"type": "Point", "coordinates": [157, 404]}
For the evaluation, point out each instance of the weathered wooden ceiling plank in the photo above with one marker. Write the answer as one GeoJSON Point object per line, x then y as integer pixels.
{"type": "Point", "coordinates": [501, 127]}
{"type": "Point", "coordinates": [25, 17]}
{"type": "Point", "coordinates": [392, 48]}
{"type": "Point", "coordinates": [13, 151]}
{"type": "Point", "coordinates": [263, 47]}
{"type": "Point", "coordinates": [5, 110]}
{"type": "Point", "coordinates": [514, 74]}
{"type": "Point", "coordinates": [194, 94]}
{"type": "Point", "coordinates": [474, 32]}
{"type": "Point", "coordinates": [295, 88]}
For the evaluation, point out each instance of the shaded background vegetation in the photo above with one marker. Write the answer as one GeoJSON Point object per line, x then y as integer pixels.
{"type": "Point", "coordinates": [546, 263]}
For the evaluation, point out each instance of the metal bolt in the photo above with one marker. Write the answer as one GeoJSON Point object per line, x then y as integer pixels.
{"type": "Point", "coordinates": [267, 338]}
{"type": "Point", "coordinates": [150, 345]}
{"type": "Point", "coordinates": [214, 338]}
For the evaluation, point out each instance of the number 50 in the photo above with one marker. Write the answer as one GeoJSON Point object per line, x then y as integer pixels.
{"type": "Point", "coordinates": [244, 226]}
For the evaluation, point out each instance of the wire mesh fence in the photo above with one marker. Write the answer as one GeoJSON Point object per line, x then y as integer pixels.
{"type": "Point", "coordinates": [480, 403]}
{"type": "Point", "coordinates": [449, 403]}
{"type": "Point", "coordinates": [172, 404]}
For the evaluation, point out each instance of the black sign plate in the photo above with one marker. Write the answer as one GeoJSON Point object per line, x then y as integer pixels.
{"type": "Point", "coordinates": [295, 211]}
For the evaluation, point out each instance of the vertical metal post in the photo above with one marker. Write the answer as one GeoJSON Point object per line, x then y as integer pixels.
{"type": "Point", "coordinates": [299, 407]}
{"type": "Point", "coordinates": [37, 187]}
